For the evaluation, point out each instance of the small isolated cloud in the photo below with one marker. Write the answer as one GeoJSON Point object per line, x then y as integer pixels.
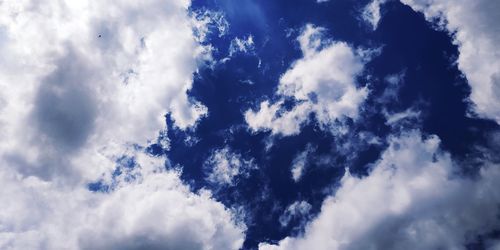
{"type": "Point", "coordinates": [241, 45]}
{"type": "Point", "coordinates": [224, 166]}
{"type": "Point", "coordinates": [393, 119]}
{"type": "Point", "coordinates": [475, 29]}
{"type": "Point", "coordinates": [411, 199]}
{"type": "Point", "coordinates": [371, 13]}
{"type": "Point", "coordinates": [321, 83]}
{"type": "Point", "coordinates": [299, 163]}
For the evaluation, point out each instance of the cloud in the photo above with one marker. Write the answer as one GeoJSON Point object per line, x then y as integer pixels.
{"type": "Point", "coordinates": [297, 210]}
{"type": "Point", "coordinates": [86, 80]}
{"type": "Point", "coordinates": [475, 30]}
{"type": "Point", "coordinates": [86, 84]}
{"type": "Point", "coordinates": [299, 163]}
{"type": "Point", "coordinates": [241, 45]}
{"type": "Point", "coordinates": [225, 166]}
{"type": "Point", "coordinates": [321, 83]}
{"type": "Point", "coordinates": [371, 13]}
{"type": "Point", "coordinates": [153, 211]}
{"type": "Point", "coordinates": [207, 21]}
{"type": "Point", "coordinates": [412, 199]}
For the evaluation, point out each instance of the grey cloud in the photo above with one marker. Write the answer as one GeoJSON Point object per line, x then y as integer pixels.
{"type": "Point", "coordinates": [64, 108]}
{"type": "Point", "coordinates": [63, 116]}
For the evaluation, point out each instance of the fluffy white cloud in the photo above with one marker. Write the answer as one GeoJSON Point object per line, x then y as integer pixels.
{"type": "Point", "coordinates": [154, 211]}
{"type": "Point", "coordinates": [83, 83]}
{"type": "Point", "coordinates": [82, 79]}
{"type": "Point", "coordinates": [224, 166]}
{"type": "Point", "coordinates": [322, 82]}
{"type": "Point", "coordinates": [411, 200]}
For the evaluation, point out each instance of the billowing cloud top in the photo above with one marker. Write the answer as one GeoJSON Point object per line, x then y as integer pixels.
{"type": "Point", "coordinates": [322, 83]}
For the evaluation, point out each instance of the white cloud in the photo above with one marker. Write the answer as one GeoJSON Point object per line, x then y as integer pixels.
{"type": "Point", "coordinates": [299, 163]}
{"type": "Point", "coordinates": [371, 13]}
{"type": "Point", "coordinates": [155, 211]}
{"type": "Point", "coordinates": [224, 166]}
{"type": "Point", "coordinates": [83, 79]}
{"type": "Point", "coordinates": [410, 200]}
{"type": "Point", "coordinates": [84, 83]}
{"type": "Point", "coordinates": [206, 21]}
{"type": "Point", "coordinates": [322, 82]}
{"type": "Point", "coordinates": [269, 117]}
{"type": "Point", "coordinates": [241, 45]}
{"type": "Point", "coordinates": [297, 210]}
{"type": "Point", "coordinates": [394, 118]}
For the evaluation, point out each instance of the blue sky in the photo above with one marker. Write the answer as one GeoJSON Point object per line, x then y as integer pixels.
{"type": "Point", "coordinates": [250, 124]}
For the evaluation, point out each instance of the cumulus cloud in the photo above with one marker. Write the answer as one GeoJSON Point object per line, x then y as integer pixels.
{"type": "Point", "coordinates": [85, 83]}
{"type": "Point", "coordinates": [322, 83]}
{"type": "Point", "coordinates": [412, 199]}
{"type": "Point", "coordinates": [83, 79]}
{"type": "Point", "coordinates": [153, 210]}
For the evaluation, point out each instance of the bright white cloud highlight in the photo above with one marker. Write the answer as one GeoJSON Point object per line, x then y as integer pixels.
{"type": "Point", "coordinates": [322, 83]}
{"type": "Point", "coordinates": [410, 200]}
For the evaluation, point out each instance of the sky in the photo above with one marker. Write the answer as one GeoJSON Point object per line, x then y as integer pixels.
{"type": "Point", "coordinates": [250, 124]}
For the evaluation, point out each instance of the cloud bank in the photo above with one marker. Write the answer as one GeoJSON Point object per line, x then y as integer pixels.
{"type": "Point", "coordinates": [85, 83]}
{"type": "Point", "coordinates": [412, 199]}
